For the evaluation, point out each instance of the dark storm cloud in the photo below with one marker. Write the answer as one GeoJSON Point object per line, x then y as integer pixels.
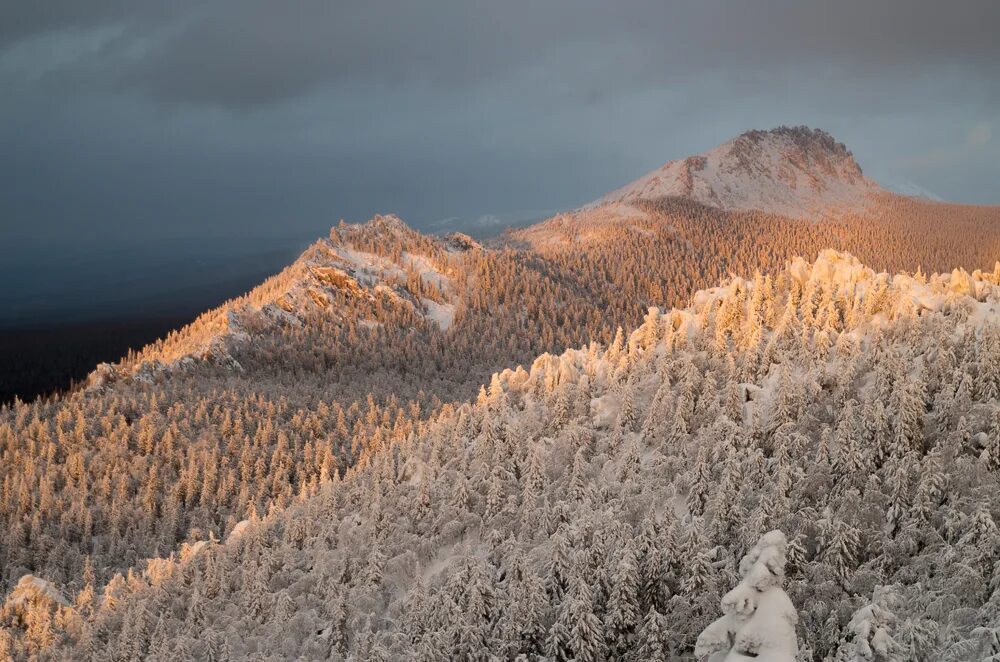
{"type": "Point", "coordinates": [243, 53]}
{"type": "Point", "coordinates": [259, 51]}
{"type": "Point", "coordinates": [24, 19]}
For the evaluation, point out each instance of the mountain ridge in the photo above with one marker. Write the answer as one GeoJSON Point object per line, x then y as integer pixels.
{"type": "Point", "coordinates": [796, 173]}
{"type": "Point", "coordinates": [328, 271]}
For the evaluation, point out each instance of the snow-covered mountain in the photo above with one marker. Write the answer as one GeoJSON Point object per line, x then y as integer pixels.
{"type": "Point", "coordinates": [797, 172]}
{"type": "Point", "coordinates": [359, 363]}
{"type": "Point", "coordinates": [338, 278]}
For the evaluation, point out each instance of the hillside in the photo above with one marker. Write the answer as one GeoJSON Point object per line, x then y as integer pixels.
{"type": "Point", "coordinates": [376, 337]}
{"type": "Point", "coordinates": [335, 279]}
{"type": "Point", "coordinates": [595, 505]}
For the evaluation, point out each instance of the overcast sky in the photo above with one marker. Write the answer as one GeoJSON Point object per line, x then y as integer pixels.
{"type": "Point", "coordinates": [123, 122]}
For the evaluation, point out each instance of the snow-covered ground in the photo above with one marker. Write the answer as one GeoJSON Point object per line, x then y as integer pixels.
{"type": "Point", "coordinates": [442, 313]}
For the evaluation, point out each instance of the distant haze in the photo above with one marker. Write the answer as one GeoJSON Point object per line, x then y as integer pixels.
{"type": "Point", "coordinates": [160, 153]}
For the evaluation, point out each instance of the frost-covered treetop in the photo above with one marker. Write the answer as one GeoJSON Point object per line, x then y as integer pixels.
{"type": "Point", "coordinates": [763, 567]}
{"type": "Point", "coordinates": [759, 619]}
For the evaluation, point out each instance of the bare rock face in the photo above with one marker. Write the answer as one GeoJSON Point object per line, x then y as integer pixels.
{"type": "Point", "coordinates": [460, 242]}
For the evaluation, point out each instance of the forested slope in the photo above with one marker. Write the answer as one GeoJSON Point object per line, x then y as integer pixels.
{"type": "Point", "coordinates": [274, 393]}
{"type": "Point", "coordinates": [595, 505]}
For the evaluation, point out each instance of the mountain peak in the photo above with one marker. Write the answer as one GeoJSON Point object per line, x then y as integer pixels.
{"type": "Point", "coordinates": [815, 145]}
{"type": "Point", "coordinates": [792, 171]}
{"type": "Point", "coordinates": [805, 136]}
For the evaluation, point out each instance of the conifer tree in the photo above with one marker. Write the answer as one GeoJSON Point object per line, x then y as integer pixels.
{"type": "Point", "coordinates": [654, 638]}
{"type": "Point", "coordinates": [759, 619]}
{"type": "Point", "coordinates": [869, 634]}
{"type": "Point", "coordinates": [586, 636]}
{"type": "Point", "coordinates": [622, 616]}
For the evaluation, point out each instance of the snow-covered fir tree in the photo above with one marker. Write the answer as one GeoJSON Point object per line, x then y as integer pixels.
{"type": "Point", "coordinates": [758, 619]}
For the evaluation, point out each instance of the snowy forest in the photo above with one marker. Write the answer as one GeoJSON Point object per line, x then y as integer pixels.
{"type": "Point", "coordinates": [505, 331]}
{"type": "Point", "coordinates": [348, 463]}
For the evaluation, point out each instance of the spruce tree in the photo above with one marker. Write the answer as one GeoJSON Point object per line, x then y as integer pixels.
{"type": "Point", "coordinates": [759, 619]}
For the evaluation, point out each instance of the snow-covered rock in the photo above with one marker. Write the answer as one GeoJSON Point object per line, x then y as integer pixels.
{"type": "Point", "coordinates": [31, 588]}
{"type": "Point", "coordinates": [102, 375]}
{"type": "Point", "coordinates": [797, 172]}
